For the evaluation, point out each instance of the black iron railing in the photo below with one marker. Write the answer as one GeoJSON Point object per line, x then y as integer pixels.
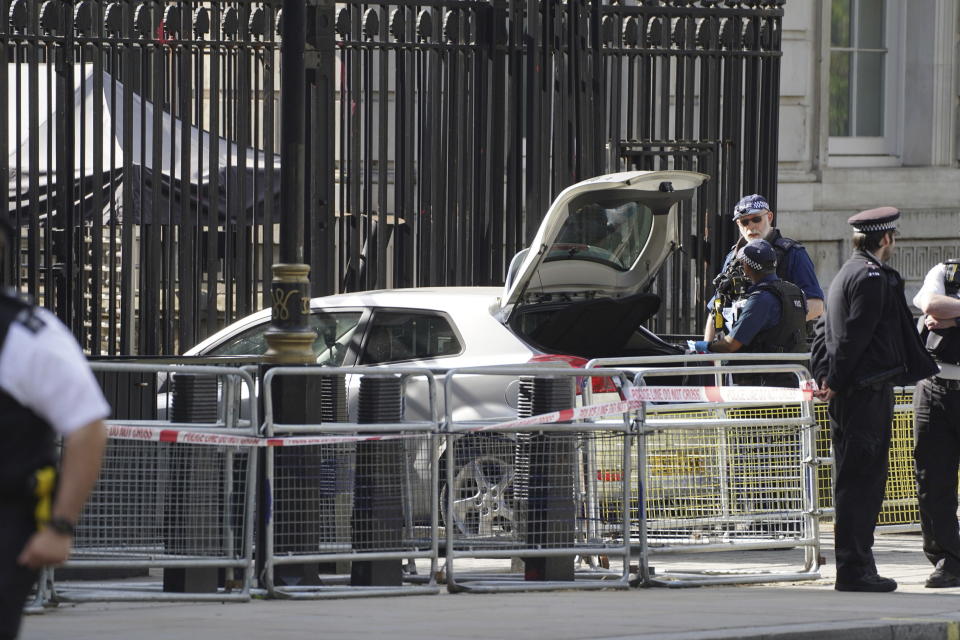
{"type": "Point", "coordinates": [144, 164]}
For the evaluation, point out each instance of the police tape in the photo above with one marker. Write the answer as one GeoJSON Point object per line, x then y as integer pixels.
{"type": "Point", "coordinates": [181, 436]}
{"type": "Point", "coordinates": [722, 394]}
{"type": "Point", "coordinates": [637, 396]}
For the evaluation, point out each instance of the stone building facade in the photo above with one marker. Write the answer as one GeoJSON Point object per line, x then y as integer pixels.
{"type": "Point", "coordinates": [869, 117]}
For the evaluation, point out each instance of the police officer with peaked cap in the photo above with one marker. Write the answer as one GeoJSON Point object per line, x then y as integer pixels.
{"type": "Point", "coordinates": [865, 344]}
{"type": "Point", "coordinates": [46, 390]}
{"type": "Point", "coordinates": [755, 222]}
{"type": "Point", "coordinates": [936, 405]}
{"type": "Point", "coordinates": [774, 316]}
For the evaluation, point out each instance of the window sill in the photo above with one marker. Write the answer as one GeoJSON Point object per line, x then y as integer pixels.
{"type": "Point", "coordinates": [859, 161]}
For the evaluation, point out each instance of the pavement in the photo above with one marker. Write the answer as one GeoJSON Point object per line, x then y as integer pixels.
{"type": "Point", "coordinates": [781, 611]}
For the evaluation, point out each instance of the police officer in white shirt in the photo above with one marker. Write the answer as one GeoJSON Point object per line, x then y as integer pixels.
{"type": "Point", "coordinates": [46, 390]}
{"type": "Point", "coordinates": [936, 403]}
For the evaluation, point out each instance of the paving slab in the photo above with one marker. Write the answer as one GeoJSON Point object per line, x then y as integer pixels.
{"type": "Point", "coordinates": [781, 611]}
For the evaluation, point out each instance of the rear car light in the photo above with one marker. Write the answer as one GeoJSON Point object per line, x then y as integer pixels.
{"type": "Point", "coordinates": [574, 361]}
{"type": "Point", "coordinates": [598, 385]}
{"type": "Point", "coordinates": [604, 385]}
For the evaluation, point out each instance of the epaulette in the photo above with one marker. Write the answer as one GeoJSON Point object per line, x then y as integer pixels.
{"type": "Point", "coordinates": [873, 269]}
{"type": "Point", "coordinates": [785, 243]}
{"type": "Point", "coordinates": [31, 321]}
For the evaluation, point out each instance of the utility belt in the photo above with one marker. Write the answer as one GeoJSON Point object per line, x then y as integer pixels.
{"type": "Point", "coordinates": [880, 380]}
{"type": "Point", "coordinates": [35, 491]}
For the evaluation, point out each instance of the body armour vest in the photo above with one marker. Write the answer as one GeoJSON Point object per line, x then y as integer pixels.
{"type": "Point", "coordinates": [781, 245]}
{"type": "Point", "coordinates": [944, 344]}
{"type": "Point", "coordinates": [789, 334]}
{"type": "Point", "coordinates": [29, 440]}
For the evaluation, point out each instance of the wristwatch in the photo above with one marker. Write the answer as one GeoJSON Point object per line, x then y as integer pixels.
{"type": "Point", "coordinates": [62, 526]}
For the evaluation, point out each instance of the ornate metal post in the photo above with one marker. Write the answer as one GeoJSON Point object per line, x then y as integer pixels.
{"type": "Point", "coordinates": [289, 339]}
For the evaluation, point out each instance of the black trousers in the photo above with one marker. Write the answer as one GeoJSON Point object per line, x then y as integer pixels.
{"type": "Point", "coordinates": [15, 581]}
{"type": "Point", "coordinates": [860, 424]}
{"type": "Point", "coordinates": [937, 456]}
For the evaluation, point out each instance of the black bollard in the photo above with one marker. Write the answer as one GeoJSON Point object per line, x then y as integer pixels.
{"type": "Point", "coordinates": [378, 486]}
{"type": "Point", "coordinates": [304, 513]}
{"type": "Point", "coordinates": [544, 466]}
{"type": "Point", "coordinates": [194, 506]}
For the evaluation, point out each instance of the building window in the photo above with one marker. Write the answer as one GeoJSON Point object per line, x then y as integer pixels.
{"type": "Point", "coordinates": [862, 101]}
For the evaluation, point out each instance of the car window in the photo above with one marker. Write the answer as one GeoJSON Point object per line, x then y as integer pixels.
{"type": "Point", "coordinates": [613, 232]}
{"type": "Point", "coordinates": [395, 336]}
{"type": "Point", "coordinates": [334, 331]}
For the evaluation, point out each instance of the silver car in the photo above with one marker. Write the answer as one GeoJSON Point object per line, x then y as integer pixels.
{"type": "Point", "coordinates": [578, 292]}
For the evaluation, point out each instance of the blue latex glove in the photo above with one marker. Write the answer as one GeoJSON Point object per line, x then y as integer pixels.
{"type": "Point", "coordinates": [698, 346]}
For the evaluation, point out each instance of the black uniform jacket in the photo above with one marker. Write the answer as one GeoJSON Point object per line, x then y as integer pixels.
{"type": "Point", "coordinates": [867, 335]}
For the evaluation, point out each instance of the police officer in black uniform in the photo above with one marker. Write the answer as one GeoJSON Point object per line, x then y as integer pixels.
{"type": "Point", "coordinates": [865, 344]}
{"type": "Point", "coordinates": [46, 389]}
{"type": "Point", "coordinates": [936, 403]}
{"type": "Point", "coordinates": [755, 222]}
{"type": "Point", "coordinates": [773, 319]}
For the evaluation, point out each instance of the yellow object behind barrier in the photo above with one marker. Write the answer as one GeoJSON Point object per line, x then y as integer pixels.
{"type": "Point", "coordinates": [900, 499]}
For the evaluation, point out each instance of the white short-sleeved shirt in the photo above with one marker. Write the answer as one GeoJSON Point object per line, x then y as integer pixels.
{"type": "Point", "coordinates": [933, 285]}
{"type": "Point", "coordinates": [42, 367]}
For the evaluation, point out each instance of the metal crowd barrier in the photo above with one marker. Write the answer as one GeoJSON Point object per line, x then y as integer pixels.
{"type": "Point", "coordinates": [727, 476]}
{"type": "Point", "coordinates": [526, 490]}
{"type": "Point", "coordinates": [351, 502]}
{"type": "Point", "coordinates": [534, 501]}
{"type": "Point", "coordinates": [174, 494]}
{"type": "Point", "coordinates": [899, 512]}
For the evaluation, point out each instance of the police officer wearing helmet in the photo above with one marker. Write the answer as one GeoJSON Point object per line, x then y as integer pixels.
{"type": "Point", "coordinates": [773, 319]}
{"type": "Point", "coordinates": [46, 390]}
{"type": "Point", "coordinates": [755, 222]}
{"type": "Point", "coordinates": [865, 344]}
{"type": "Point", "coordinates": [936, 403]}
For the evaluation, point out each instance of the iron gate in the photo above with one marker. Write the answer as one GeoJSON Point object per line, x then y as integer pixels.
{"type": "Point", "coordinates": [144, 174]}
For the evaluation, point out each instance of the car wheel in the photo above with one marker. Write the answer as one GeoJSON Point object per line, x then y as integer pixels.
{"type": "Point", "coordinates": [483, 490]}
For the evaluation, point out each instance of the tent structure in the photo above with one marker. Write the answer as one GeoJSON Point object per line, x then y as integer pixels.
{"type": "Point", "coordinates": [234, 184]}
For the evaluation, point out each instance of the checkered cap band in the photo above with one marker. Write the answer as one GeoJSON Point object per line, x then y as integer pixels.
{"type": "Point", "coordinates": [876, 226]}
{"type": "Point", "coordinates": [756, 266]}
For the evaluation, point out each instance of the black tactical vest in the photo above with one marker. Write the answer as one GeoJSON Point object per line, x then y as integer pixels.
{"type": "Point", "coordinates": [789, 335]}
{"type": "Point", "coordinates": [781, 245]}
{"type": "Point", "coordinates": [944, 344]}
{"type": "Point", "coordinates": [28, 439]}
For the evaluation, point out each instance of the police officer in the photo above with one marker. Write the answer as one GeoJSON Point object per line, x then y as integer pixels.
{"type": "Point", "coordinates": [46, 389]}
{"type": "Point", "coordinates": [755, 222]}
{"type": "Point", "coordinates": [773, 317]}
{"type": "Point", "coordinates": [865, 344]}
{"type": "Point", "coordinates": [936, 403]}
